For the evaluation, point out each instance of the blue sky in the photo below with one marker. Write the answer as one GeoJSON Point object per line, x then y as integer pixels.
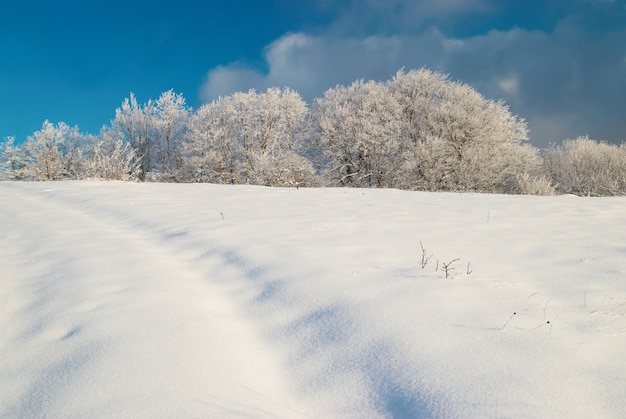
{"type": "Point", "coordinates": [561, 64]}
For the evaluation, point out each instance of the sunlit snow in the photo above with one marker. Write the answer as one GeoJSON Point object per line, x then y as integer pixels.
{"type": "Point", "coordinates": [197, 300]}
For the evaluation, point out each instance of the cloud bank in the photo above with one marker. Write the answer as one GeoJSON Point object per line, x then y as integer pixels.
{"type": "Point", "coordinates": [566, 82]}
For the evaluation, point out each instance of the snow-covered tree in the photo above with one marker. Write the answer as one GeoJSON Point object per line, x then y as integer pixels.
{"type": "Point", "coordinates": [171, 122]}
{"type": "Point", "coordinates": [458, 139]}
{"type": "Point", "coordinates": [251, 138]}
{"type": "Point", "coordinates": [269, 127]}
{"type": "Point", "coordinates": [537, 184]}
{"type": "Point", "coordinates": [155, 131]}
{"type": "Point", "coordinates": [588, 168]}
{"type": "Point", "coordinates": [135, 123]}
{"type": "Point", "coordinates": [359, 132]}
{"type": "Point", "coordinates": [213, 151]}
{"type": "Point", "coordinates": [13, 161]}
{"type": "Point", "coordinates": [108, 157]}
{"type": "Point", "coordinates": [421, 130]}
{"type": "Point", "coordinates": [52, 153]}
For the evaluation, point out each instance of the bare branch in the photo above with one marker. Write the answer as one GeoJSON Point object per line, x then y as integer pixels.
{"type": "Point", "coordinates": [425, 258]}
{"type": "Point", "coordinates": [447, 267]}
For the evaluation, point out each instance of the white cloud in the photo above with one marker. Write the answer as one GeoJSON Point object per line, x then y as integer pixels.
{"type": "Point", "coordinates": [452, 44]}
{"type": "Point", "coordinates": [225, 80]}
{"type": "Point", "coordinates": [312, 64]}
{"type": "Point", "coordinates": [509, 85]}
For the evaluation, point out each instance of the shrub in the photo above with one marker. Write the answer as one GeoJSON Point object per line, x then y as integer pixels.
{"type": "Point", "coordinates": [587, 168]}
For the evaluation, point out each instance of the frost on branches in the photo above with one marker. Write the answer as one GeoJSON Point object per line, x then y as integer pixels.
{"type": "Point", "coordinates": [52, 153]}
{"type": "Point", "coordinates": [459, 139]}
{"type": "Point", "coordinates": [108, 157]}
{"type": "Point", "coordinates": [359, 134]}
{"type": "Point", "coordinates": [421, 131]}
{"type": "Point", "coordinates": [417, 131]}
{"type": "Point", "coordinates": [156, 132]}
{"type": "Point", "coordinates": [254, 138]}
{"type": "Point", "coordinates": [588, 168]}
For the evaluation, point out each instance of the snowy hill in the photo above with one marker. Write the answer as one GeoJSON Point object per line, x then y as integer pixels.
{"type": "Point", "coordinates": [179, 300]}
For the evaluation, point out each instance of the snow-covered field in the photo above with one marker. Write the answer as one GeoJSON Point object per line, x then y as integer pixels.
{"type": "Point", "coordinates": [170, 300]}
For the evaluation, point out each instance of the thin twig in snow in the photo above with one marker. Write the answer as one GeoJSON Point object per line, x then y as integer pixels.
{"type": "Point", "coordinates": [447, 267]}
{"type": "Point", "coordinates": [425, 258]}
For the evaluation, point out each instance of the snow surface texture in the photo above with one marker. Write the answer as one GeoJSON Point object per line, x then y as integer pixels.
{"type": "Point", "coordinates": [170, 300]}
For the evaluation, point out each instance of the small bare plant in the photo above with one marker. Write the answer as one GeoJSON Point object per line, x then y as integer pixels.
{"type": "Point", "coordinates": [425, 258]}
{"type": "Point", "coordinates": [447, 267]}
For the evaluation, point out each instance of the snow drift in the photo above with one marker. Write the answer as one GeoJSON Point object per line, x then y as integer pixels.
{"type": "Point", "coordinates": [170, 300]}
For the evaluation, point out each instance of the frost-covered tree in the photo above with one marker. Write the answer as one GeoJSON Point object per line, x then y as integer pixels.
{"type": "Point", "coordinates": [251, 138]}
{"type": "Point", "coordinates": [588, 168]}
{"type": "Point", "coordinates": [135, 124]}
{"type": "Point", "coordinates": [359, 133]}
{"type": "Point", "coordinates": [155, 131]}
{"type": "Point", "coordinates": [13, 160]}
{"type": "Point", "coordinates": [108, 157]}
{"type": "Point", "coordinates": [269, 127]}
{"type": "Point", "coordinates": [421, 130]}
{"type": "Point", "coordinates": [458, 139]}
{"type": "Point", "coordinates": [213, 152]}
{"type": "Point", "coordinates": [535, 184]}
{"type": "Point", "coordinates": [171, 122]}
{"type": "Point", "coordinates": [52, 153]}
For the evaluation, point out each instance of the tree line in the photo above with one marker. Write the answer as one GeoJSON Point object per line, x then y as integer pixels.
{"type": "Point", "coordinates": [417, 131]}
